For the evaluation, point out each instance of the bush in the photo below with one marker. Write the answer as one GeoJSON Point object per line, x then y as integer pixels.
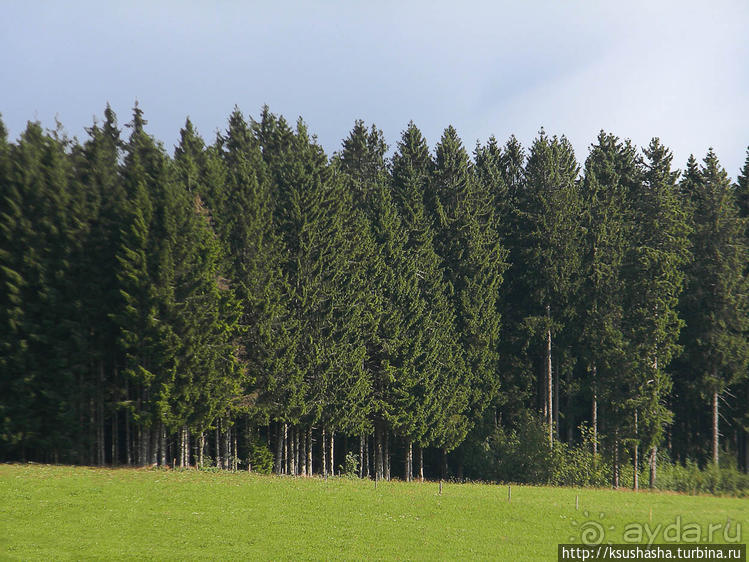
{"type": "Point", "coordinates": [260, 456]}
{"type": "Point", "coordinates": [350, 468]}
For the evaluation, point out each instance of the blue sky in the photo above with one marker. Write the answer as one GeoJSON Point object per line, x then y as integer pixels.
{"type": "Point", "coordinates": [674, 69]}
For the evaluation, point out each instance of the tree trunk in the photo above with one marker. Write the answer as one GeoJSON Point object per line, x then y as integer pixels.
{"type": "Point", "coordinates": [285, 448]}
{"type": "Point", "coordinates": [218, 446]}
{"type": "Point", "coordinates": [594, 416]}
{"type": "Point", "coordinates": [636, 463]}
{"type": "Point", "coordinates": [332, 453]}
{"type": "Point", "coordinates": [421, 463]}
{"type": "Point", "coordinates": [201, 449]}
{"type": "Point", "coordinates": [387, 455]}
{"type": "Point", "coordinates": [361, 456]}
{"type": "Point", "coordinates": [444, 464]}
{"type": "Point", "coordinates": [279, 448]}
{"type": "Point", "coordinates": [323, 451]}
{"type": "Point", "coordinates": [115, 439]}
{"type": "Point", "coordinates": [366, 455]}
{"type": "Point", "coordinates": [309, 451]}
{"type": "Point", "coordinates": [556, 400]}
{"type": "Point", "coordinates": [182, 447]}
{"type": "Point", "coordinates": [100, 445]}
{"type": "Point", "coordinates": [716, 434]}
{"type": "Point", "coordinates": [292, 447]}
{"type": "Point", "coordinates": [549, 390]}
{"type": "Point", "coordinates": [616, 458]}
{"type": "Point", "coordinates": [128, 444]}
{"type": "Point", "coordinates": [408, 470]}
{"type": "Point", "coordinates": [162, 443]}
{"type": "Point", "coordinates": [154, 445]}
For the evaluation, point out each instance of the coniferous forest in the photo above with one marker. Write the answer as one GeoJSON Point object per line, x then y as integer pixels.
{"type": "Point", "coordinates": [249, 302]}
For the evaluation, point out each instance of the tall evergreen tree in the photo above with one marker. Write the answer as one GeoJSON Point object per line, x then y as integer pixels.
{"type": "Point", "coordinates": [467, 241]}
{"type": "Point", "coordinates": [611, 169]}
{"type": "Point", "coordinates": [714, 305]}
{"type": "Point", "coordinates": [656, 258]}
{"type": "Point", "coordinates": [548, 250]}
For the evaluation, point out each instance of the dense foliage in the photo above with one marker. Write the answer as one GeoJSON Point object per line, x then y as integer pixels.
{"type": "Point", "coordinates": [255, 303]}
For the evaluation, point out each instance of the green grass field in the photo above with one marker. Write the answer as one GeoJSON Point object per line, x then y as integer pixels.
{"type": "Point", "coordinates": [59, 512]}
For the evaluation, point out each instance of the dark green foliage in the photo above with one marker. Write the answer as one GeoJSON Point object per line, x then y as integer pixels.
{"type": "Point", "coordinates": [151, 306]}
{"type": "Point", "coordinates": [714, 304]}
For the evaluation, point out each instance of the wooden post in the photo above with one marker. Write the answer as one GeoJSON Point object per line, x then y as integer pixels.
{"type": "Point", "coordinates": [509, 493]}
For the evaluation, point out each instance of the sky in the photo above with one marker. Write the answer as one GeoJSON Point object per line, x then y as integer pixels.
{"type": "Point", "coordinates": [678, 69]}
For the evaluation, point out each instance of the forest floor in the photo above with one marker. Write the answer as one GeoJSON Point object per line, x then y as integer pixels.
{"type": "Point", "coordinates": [63, 512]}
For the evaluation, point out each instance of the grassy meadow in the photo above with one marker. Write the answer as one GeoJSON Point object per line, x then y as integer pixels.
{"type": "Point", "coordinates": [62, 512]}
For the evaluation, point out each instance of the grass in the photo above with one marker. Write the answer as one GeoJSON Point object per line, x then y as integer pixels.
{"type": "Point", "coordinates": [61, 512]}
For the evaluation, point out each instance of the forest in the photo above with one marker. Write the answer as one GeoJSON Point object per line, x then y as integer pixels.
{"type": "Point", "coordinates": [252, 303]}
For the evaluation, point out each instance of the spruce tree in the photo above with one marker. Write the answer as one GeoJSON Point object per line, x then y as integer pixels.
{"type": "Point", "coordinates": [611, 169]}
{"type": "Point", "coordinates": [467, 241]}
{"type": "Point", "coordinates": [654, 276]}
{"type": "Point", "coordinates": [547, 254]}
{"type": "Point", "coordinates": [714, 305]}
{"type": "Point", "coordinates": [437, 351]}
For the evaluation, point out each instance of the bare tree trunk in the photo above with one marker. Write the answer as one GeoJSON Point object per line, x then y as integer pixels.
{"type": "Point", "coordinates": [421, 463]}
{"type": "Point", "coordinates": [616, 458]}
{"type": "Point", "coordinates": [556, 400]}
{"type": "Point", "coordinates": [332, 455]}
{"type": "Point", "coordinates": [387, 455]}
{"type": "Point", "coordinates": [361, 456]}
{"type": "Point", "coordinates": [636, 463]}
{"type": "Point", "coordinates": [100, 445]}
{"type": "Point", "coordinates": [292, 450]}
{"type": "Point", "coordinates": [716, 434]}
{"type": "Point", "coordinates": [303, 452]}
{"type": "Point", "coordinates": [235, 456]}
{"type": "Point", "coordinates": [653, 462]}
{"type": "Point", "coordinates": [115, 439]}
{"type": "Point", "coordinates": [162, 443]}
{"type": "Point", "coordinates": [594, 416]}
{"type": "Point", "coordinates": [218, 446]}
{"type": "Point", "coordinates": [309, 451]}
{"type": "Point", "coordinates": [366, 455]}
{"type": "Point", "coordinates": [408, 470]}
{"type": "Point", "coordinates": [324, 455]}
{"type": "Point", "coordinates": [279, 448]}
{"type": "Point", "coordinates": [285, 448]}
{"type": "Point", "coordinates": [128, 440]}
{"type": "Point", "coordinates": [182, 447]}
{"type": "Point", "coordinates": [201, 449]}
{"type": "Point", "coordinates": [549, 390]}
{"type": "Point", "coordinates": [154, 445]}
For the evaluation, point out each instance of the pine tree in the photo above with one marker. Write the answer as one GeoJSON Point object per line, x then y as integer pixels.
{"type": "Point", "coordinates": [146, 281]}
{"type": "Point", "coordinates": [437, 352]}
{"type": "Point", "coordinates": [714, 305]}
{"type": "Point", "coordinates": [467, 241]}
{"type": "Point", "coordinates": [40, 221]}
{"type": "Point", "coordinates": [206, 311]}
{"type": "Point", "coordinates": [611, 170]}
{"type": "Point", "coordinates": [548, 250]}
{"type": "Point", "coordinates": [656, 258]}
